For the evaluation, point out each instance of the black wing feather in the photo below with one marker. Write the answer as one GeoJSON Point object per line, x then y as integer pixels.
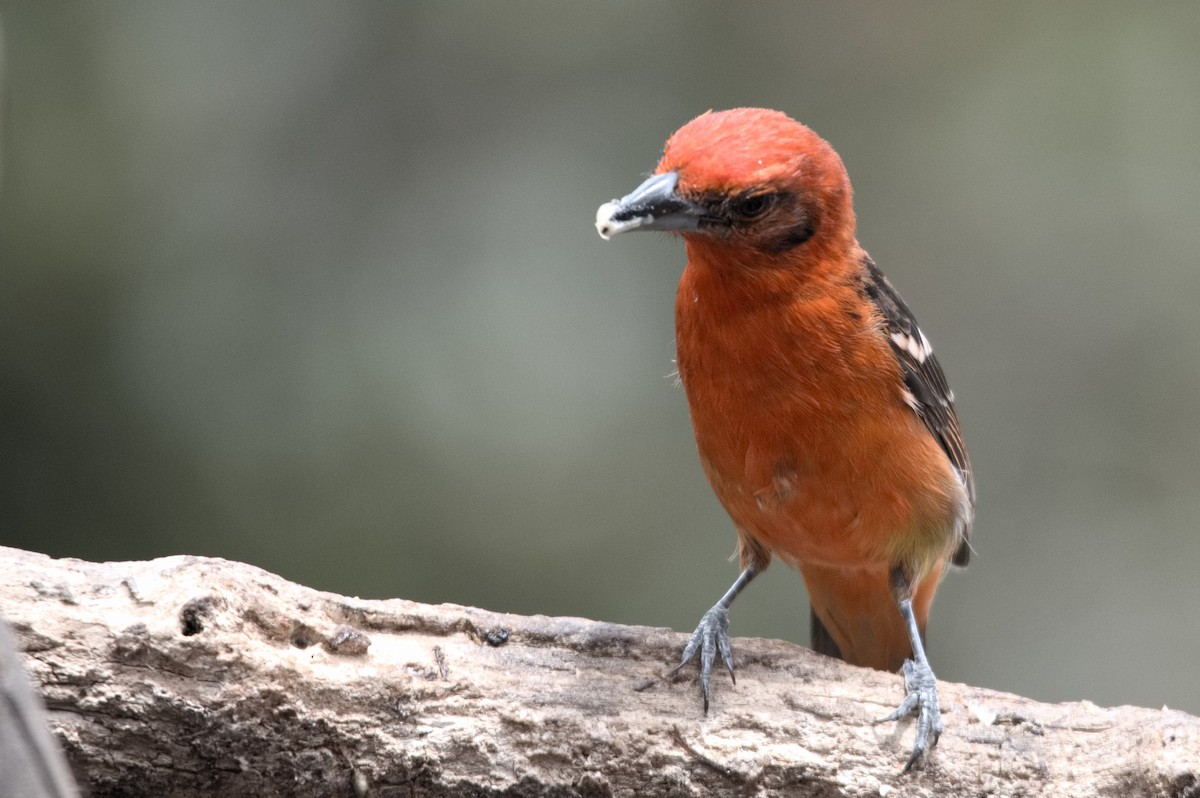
{"type": "Point", "coordinates": [933, 402]}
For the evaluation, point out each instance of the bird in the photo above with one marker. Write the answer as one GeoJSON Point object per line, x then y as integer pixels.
{"type": "Point", "coordinates": [823, 420]}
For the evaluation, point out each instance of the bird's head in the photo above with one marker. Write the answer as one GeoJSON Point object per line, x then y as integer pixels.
{"type": "Point", "coordinates": [747, 178]}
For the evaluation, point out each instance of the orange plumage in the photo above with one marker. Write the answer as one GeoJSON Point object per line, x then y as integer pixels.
{"type": "Point", "coordinates": [822, 419]}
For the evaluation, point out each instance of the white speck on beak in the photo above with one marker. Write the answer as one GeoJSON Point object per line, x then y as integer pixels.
{"type": "Point", "coordinates": [607, 227]}
{"type": "Point", "coordinates": [604, 213]}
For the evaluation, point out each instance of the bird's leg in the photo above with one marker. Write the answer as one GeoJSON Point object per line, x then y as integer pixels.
{"type": "Point", "coordinates": [712, 635]}
{"type": "Point", "coordinates": [919, 682]}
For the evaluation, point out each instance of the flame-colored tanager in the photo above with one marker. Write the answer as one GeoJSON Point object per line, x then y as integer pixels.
{"type": "Point", "coordinates": [823, 420]}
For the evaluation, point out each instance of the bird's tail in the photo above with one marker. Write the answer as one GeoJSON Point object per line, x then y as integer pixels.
{"type": "Point", "coordinates": [854, 614]}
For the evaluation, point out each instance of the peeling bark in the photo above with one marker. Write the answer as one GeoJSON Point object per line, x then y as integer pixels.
{"type": "Point", "coordinates": [188, 676]}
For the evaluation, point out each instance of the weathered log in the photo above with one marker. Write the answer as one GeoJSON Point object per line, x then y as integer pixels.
{"type": "Point", "coordinates": [189, 676]}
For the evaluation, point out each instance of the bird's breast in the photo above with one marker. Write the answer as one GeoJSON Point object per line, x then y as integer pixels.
{"type": "Point", "coordinates": [803, 432]}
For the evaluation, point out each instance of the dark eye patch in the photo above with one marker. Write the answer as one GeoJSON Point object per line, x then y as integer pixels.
{"type": "Point", "coordinates": [749, 207]}
{"type": "Point", "coordinates": [797, 234]}
{"type": "Point", "coordinates": [792, 225]}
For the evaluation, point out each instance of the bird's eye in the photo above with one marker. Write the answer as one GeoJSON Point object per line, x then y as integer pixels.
{"type": "Point", "coordinates": [753, 206]}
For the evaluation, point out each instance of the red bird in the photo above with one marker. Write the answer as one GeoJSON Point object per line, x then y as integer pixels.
{"type": "Point", "coordinates": [823, 420]}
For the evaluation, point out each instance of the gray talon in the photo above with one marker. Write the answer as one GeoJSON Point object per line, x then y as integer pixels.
{"type": "Point", "coordinates": [922, 698]}
{"type": "Point", "coordinates": [711, 637]}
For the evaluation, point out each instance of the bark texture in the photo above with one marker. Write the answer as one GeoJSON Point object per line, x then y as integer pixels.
{"type": "Point", "coordinates": [188, 676]}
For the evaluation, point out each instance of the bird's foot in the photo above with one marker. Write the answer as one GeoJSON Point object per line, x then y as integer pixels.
{"type": "Point", "coordinates": [922, 698]}
{"type": "Point", "coordinates": [710, 639]}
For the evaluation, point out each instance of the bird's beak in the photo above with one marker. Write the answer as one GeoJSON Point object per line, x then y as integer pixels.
{"type": "Point", "coordinates": [653, 205]}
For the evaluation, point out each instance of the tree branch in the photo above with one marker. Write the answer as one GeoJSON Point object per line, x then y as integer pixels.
{"type": "Point", "coordinates": [188, 676]}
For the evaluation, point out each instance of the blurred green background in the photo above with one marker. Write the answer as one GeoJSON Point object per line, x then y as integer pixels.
{"type": "Point", "coordinates": [315, 286]}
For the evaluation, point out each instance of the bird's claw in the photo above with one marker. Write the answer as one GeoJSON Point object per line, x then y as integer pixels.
{"type": "Point", "coordinates": [922, 698]}
{"type": "Point", "coordinates": [710, 639]}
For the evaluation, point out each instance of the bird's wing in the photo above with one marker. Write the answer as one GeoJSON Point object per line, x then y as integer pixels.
{"type": "Point", "coordinates": [928, 394]}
